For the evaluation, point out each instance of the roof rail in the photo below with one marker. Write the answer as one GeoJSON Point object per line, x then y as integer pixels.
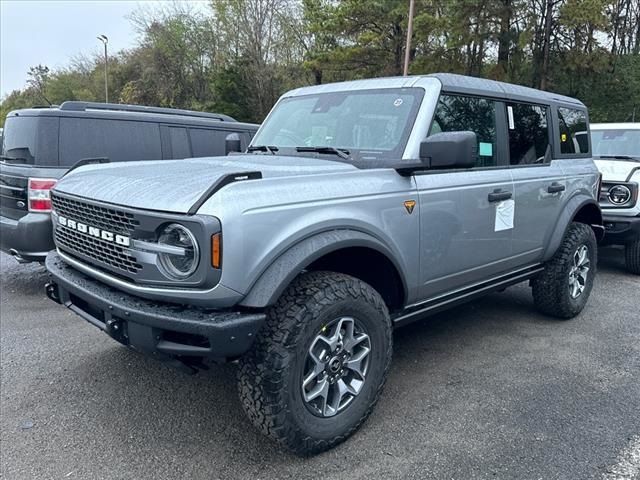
{"type": "Point", "coordinates": [78, 106]}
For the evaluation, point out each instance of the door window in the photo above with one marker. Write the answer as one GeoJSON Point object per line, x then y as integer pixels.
{"type": "Point", "coordinates": [208, 142]}
{"type": "Point", "coordinates": [528, 134]}
{"type": "Point", "coordinates": [573, 131]}
{"type": "Point", "coordinates": [456, 113]}
{"type": "Point", "coordinates": [118, 140]}
{"type": "Point", "coordinates": [179, 143]}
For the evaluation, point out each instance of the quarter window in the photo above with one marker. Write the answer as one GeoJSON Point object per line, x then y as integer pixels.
{"type": "Point", "coordinates": [456, 113]}
{"type": "Point", "coordinates": [528, 134]}
{"type": "Point", "coordinates": [573, 131]}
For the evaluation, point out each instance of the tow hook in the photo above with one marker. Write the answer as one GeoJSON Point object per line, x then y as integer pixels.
{"type": "Point", "coordinates": [116, 329]}
{"type": "Point", "coordinates": [52, 292]}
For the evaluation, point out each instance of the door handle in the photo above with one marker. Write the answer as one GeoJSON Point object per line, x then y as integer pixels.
{"type": "Point", "coordinates": [499, 195]}
{"type": "Point", "coordinates": [556, 187]}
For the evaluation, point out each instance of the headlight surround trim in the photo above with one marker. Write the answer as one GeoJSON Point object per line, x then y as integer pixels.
{"type": "Point", "coordinates": [166, 261]}
{"type": "Point", "coordinates": [605, 199]}
{"type": "Point", "coordinates": [621, 189]}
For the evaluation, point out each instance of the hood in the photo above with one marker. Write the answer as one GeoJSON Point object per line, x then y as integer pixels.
{"type": "Point", "coordinates": [175, 185]}
{"type": "Point", "coordinates": [618, 170]}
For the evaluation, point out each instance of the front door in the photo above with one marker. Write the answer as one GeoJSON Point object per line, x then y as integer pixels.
{"type": "Point", "coordinates": [466, 216]}
{"type": "Point", "coordinates": [462, 241]}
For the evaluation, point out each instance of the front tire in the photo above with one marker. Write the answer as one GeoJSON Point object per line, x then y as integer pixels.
{"type": "Point", "coordinates": [318, 365]}
{"type": "Point", "coordinates": [563, 288]}
{"type": "Point", "coordinates": [632, 256]}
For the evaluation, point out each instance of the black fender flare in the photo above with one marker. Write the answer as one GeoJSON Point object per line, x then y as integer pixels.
{"type": "Point", "coordinates": [275, 279]}
{"type": "Point", "coordinates": [568, 215]}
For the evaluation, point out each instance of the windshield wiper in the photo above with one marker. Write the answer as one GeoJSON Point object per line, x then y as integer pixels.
{"type": "Point", "coordinates": [341, 152]}
{"type": "Point", "coordinates": [263, 148]}
{"type": "Point", "coordinates": [627, 158]}
{"type": "Point", "coordinates": [7, 159]}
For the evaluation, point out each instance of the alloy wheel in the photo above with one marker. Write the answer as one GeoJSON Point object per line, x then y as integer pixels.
{"type": "Point", "coordinates": [579, 271]}
{"type": "Point", "coordinates": [336, 367]}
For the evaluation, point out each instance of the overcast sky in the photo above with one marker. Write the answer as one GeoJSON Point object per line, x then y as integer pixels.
{"type": "Point", "coordinates": [51, 32]}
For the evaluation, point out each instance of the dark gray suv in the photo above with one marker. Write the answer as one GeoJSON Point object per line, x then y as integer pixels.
{"type": "Point", "coordinates": [41, 144]}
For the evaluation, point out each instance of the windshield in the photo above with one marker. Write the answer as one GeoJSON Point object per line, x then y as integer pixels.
{"type": "Point", "coordinates": [19, 138]}
{"type": "Point", "coordinates": [618, 142]}
{"type": "Point", "coordinates": [366, 124]}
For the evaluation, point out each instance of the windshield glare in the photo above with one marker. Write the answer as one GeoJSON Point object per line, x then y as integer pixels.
{"type": "Point", "coordinates": [370, 124]}
{"type": "Point", "coordinates": [619, 142]}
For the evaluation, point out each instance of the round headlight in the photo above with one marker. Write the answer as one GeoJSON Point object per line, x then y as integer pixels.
{"type": "Point", "coordinates": [619, 194]}
{"type": "Point", "coordinates": [183, 261]}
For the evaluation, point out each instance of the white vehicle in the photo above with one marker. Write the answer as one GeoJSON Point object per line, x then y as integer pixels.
{"type": "Point", "coordinates": [616, 150]}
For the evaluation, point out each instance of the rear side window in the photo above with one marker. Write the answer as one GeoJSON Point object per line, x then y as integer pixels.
{"type": "Point", "coordinates": [573, 131]}
{"type": "Point", "coordinates": [119, 140]}
{"type": "Point", "coordinates": [207, 142]}
{"type": "Point", "coordinates": [19, 138]}
{"type": "Point", "coordinates": [31, 140]}
{"type": "Point", "coordinates": [528, 134]}
{"type": "Point", "coordinates": [456, 113]}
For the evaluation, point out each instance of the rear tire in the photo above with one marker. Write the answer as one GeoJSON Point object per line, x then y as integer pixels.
{"type": "Point", "coordinates": [563, 288]}
{"type": "Point", "coordinates": [632, 257]}
{"type": "Point", "coordinates": [293, 358]}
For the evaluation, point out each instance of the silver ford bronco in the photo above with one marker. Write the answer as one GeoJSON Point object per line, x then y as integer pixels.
{"type": "Point", "coordinates": [358, 207]}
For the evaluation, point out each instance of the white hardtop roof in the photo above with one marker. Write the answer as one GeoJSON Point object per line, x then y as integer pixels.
{"type": "Point", "coordinates": [616, 126]}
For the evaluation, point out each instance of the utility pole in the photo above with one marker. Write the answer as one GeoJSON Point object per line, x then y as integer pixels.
{"type": "Point", "coordinates": [407, 50]}
{"type": "Point", "coordinates": [105, 41]}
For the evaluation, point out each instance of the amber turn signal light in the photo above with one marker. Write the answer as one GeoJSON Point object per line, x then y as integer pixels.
{"type": "Point", "coordinates": [216, 250]}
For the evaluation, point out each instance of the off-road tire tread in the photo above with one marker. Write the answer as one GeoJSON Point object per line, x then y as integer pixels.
{"type": "Point", "coordinates": [632, 256]}
{"type": "Point", "coordinates": [549, 288]}
{"type": "Point", "coordinates": [262, 393]}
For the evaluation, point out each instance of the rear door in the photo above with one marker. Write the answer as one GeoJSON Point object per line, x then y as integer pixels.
{"type": "Point", "coordinates": [539, 181]}
{"type": "Point", "coordinates": [464, 238]}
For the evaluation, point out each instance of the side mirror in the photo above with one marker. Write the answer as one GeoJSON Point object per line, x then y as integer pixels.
{"type": "Point", "coordinates": [444, 150]}
{"type": "Point", "coordinates": [450, 150]}
{"type": "Point", "coordinates": [232, 143]}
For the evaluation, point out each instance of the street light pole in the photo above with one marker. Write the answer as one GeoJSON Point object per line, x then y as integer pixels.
{"type": "Point", "coordinates": [407, 49]}
{"type": "Point", "coordinates": [105, 41]}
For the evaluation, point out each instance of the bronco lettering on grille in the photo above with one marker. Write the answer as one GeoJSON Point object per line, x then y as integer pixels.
{"type": "Point", "coordinates": [94, 232]}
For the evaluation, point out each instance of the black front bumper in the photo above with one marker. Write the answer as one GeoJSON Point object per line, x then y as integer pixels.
{"type": "Point", "coordinates": [165, 331]}
{"type": "Point", "coordinates": [620, 230]}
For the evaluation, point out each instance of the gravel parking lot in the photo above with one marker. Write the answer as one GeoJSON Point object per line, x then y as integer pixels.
{"type": "Point", "coordinates": [491, 389]}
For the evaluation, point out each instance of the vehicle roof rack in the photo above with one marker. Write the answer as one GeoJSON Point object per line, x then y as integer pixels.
{"type": "Point", "coordinates": [78, 106]}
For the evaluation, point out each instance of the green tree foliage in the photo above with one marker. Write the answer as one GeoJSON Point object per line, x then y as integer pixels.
{"type": "Point", "coordinates": [238, 56]}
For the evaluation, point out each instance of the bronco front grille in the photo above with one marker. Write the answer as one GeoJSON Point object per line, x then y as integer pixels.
{"type": "Point", "coordinates": [101, 251]}
{"type": "Point", "coordinates": [109, 219]}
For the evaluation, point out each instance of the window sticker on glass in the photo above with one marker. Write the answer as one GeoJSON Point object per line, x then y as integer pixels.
{"type": "Point", "coordinates": [512, 124]}
{"type": "Point", "coordinates": [486, 149]}
{"type": "Point", "coordinates": [398, 102]}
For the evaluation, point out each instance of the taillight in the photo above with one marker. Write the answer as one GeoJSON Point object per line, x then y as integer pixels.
{"type": "Point", "coordinates": [40, 194]}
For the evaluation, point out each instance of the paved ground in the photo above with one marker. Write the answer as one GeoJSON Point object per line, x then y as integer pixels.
{"type": "Point", "coordinates": [488, 390]}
